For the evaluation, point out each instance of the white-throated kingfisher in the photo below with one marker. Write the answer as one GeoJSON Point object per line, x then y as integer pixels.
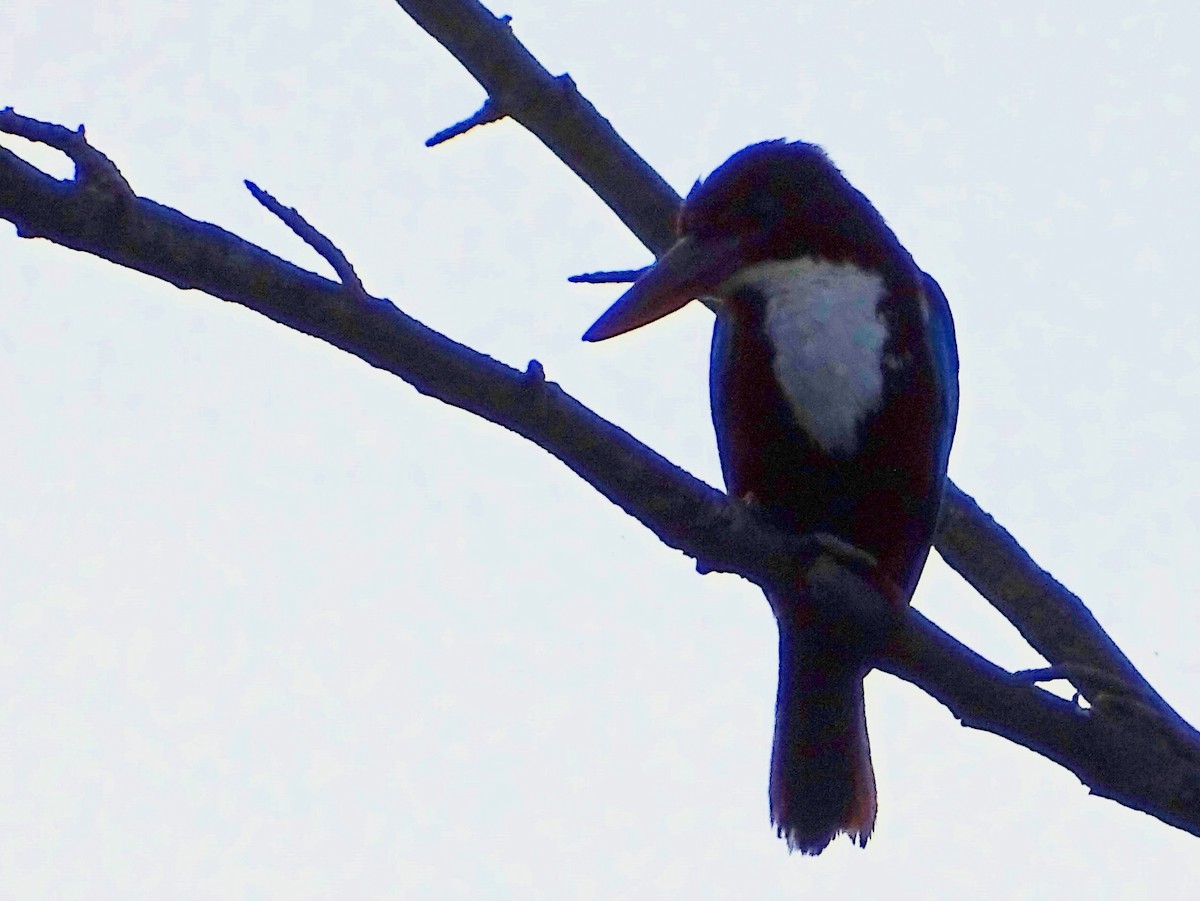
{"type": "Point", "coordinates": [834, 388]}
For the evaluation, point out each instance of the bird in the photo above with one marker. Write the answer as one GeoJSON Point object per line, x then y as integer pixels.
{"type": "Point", "coordinates": [834, 395]}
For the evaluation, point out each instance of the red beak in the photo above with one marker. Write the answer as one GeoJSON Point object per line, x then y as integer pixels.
{"type": "Point", "coordinates": [693, 267]}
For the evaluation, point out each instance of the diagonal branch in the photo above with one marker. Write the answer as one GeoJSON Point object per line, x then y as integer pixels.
{"type": "Point", "coordinates": [553, 110]}
{"type": "Point", "coordinates": [1121, 748]}
{"type": "Point", "coordinates": [1052, 618]}
{"type": "Point", "coordinates": [1054, 621]}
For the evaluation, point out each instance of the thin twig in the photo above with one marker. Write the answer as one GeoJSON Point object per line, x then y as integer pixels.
{"type": "Point", "coordinates": [613, 277]}
{"type": "Point", "coordinates": [309, 235]}
{"type": "Point", "coordinates": [486, 114]}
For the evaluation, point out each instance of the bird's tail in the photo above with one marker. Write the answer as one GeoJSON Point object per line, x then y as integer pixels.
{"type": "Point", "coordinates": [822, 782]}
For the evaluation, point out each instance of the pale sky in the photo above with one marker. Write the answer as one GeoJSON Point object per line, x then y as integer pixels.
{"type": "Point", "coordinates": [274, 625]}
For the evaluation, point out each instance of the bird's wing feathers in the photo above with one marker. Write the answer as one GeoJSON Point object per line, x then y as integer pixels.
{"type": "Point", "coordinates": [945, 365]}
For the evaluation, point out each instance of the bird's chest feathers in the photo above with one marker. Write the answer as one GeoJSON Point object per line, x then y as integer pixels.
{"type": "Point", "coordinates": [827, 336]}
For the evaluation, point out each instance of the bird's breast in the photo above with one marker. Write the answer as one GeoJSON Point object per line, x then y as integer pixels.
{"type": "Point", "coordinates": [821, 322]}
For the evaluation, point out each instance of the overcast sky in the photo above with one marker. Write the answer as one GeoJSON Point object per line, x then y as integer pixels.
{"type": "Point", "coordinates": [273, 624]}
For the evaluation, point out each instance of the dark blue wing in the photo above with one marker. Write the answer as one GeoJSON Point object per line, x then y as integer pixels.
{"type": "Point", "coordinates": [945, 365]}
{"type": "Point", "coordinates": [719, 361]}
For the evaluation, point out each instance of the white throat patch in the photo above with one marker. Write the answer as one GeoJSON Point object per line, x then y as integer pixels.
{"type": "Point", "coordinates": [828, 339]}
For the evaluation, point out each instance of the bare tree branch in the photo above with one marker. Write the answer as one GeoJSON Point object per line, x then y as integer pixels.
{"type": "Point", "coordinates": [1122, 746]}
{"type": "Point", "coordinates": [1054, 621]}
{"type": "Point", "coordinates": [553, 110]}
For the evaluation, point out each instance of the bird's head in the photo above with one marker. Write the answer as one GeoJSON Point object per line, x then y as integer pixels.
{"type": "Point", "coordinates": [770, 201]}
